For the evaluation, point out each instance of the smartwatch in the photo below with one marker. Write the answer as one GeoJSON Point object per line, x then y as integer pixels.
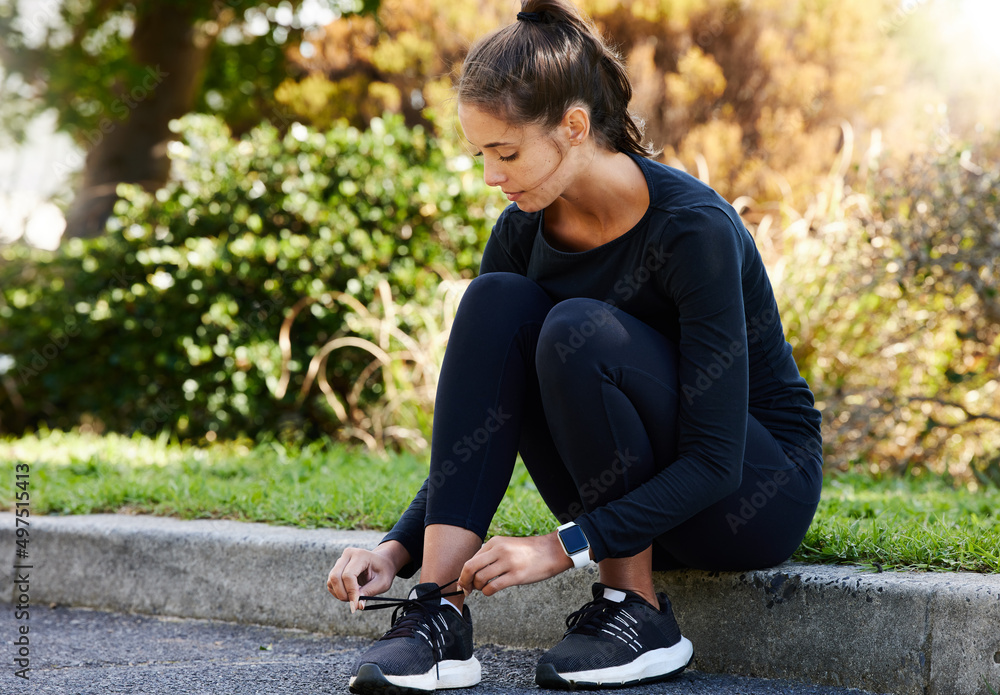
{"type": "Point", "coordinates": [575, 544]}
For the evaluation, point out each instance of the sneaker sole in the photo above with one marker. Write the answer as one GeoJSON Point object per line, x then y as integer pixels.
{"type": "Point", "coordinates": [453, 674]}
{"type": "Point", "coordinates": [656, 665]}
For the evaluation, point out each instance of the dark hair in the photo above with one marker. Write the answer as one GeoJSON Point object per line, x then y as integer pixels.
{"type": "Point", "coordinates": [549, 60]}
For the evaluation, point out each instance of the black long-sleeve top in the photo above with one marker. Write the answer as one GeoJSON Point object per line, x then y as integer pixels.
{"type": "Point", "coordinates": [690, 270]}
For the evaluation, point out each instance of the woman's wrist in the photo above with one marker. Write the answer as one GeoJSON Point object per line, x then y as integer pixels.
{"type": "Point", "coordinates": [564, 561]}
{"type": "Point", "coordinates": [395, 552]}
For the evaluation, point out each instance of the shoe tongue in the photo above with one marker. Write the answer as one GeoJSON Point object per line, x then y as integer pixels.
{"type": "Point", "coordinates": [614, 595]}
{"type": "Point", "coordinates": [421, 590]}
{"type": "Point", "coordinates": [609, 593]}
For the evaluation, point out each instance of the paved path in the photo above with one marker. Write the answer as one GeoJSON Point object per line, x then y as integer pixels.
{"type": "Point", "coordinates": [906, 633]}
{"type": "Point", "coordinates": [86, 652]}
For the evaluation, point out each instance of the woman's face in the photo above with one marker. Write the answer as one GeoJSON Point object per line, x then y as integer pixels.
{"type": "Point", "coordinates": [526, 163]}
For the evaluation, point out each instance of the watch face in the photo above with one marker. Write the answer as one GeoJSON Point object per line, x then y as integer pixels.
{"type": "Point", "coordinates": [573, 540]}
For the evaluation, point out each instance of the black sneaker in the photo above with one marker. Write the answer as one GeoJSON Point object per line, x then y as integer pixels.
{"type": "Point", "coordinates": [429, 646]}
{"type": "Point", "coordinates": [616, 639]}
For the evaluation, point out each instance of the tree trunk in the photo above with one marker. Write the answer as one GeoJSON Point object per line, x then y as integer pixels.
{"type": "Point", "coordinates": [134, 150]}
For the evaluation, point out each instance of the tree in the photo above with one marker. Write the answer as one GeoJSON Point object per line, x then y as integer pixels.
{"type": "Point", "coordinates": [118, 71]}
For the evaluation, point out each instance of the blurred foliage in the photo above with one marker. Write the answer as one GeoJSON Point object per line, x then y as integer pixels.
{"type": "Point", "coordinates": [403, 58]}
{"type": "Point", "coordinates": [890, 299]}
{"type": "Point", "coordinates": [172, 320]}
{"type": "Point", "coordinates": [80, 58]}
{"type": "Point", "coordinates": [752, 92]}
{"type": "Point", "coordinates": [116, 72]}
{"type": "Point", "coordinates": [951, 44]}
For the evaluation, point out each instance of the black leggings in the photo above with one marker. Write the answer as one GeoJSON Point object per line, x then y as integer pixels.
{"type": "Point", "coordinates": [591, 423]}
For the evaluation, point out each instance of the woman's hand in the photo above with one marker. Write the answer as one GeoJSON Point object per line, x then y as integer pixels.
{"type": "Point", "coordinates": [503, 562]}
{"type": "Point", "coordinates": [361, 572]}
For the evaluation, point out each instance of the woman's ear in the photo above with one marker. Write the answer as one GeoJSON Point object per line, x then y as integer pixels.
{"type": "Point", "coordinates": [576, 125]}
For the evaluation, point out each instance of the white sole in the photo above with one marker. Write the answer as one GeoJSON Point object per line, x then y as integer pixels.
{"type": "Point", "coordinates": [460, 674]}
{"type": "Point", "coordinates": [652, 664]}
{"type": "Point", "coordinates": [446, 675]}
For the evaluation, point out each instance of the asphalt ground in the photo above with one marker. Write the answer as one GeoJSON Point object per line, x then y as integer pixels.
{"type": "Point", "coordinates": [906, 633]}
{"type": "Point", "coordinates": [87, 652]}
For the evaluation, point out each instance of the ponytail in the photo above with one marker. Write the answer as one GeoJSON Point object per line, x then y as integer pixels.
{"type": "Point", "coordinates": [545, 63]}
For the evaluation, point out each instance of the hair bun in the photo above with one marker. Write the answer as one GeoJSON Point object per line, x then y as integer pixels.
{"type": "Point", "coordinates": [525, 76]}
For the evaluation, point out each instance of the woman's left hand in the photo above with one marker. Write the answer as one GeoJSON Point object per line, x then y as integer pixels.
{"type": "Point", "coordinates": [504, 561]}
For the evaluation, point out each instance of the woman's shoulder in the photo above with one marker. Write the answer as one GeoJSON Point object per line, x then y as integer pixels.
{"type": "Point", "coordinates": [515, 230]}
{"type": "Point", "coordinates": [674, 191]}
{"type": "Point", "coordinates": [510, 243]}
{"type": "Point", "coordinates": [682, 204]}
{"type": "Point", "coordinates": [513, 221]}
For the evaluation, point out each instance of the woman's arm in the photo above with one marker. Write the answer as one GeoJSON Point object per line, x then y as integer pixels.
{"type": "Point", "coordinates": [409, 532]}
{"type": "Point", "coordinates": [705, 281]}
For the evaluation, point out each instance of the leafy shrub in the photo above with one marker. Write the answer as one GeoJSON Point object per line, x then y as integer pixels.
{"type": "Point", "coordinates": [890, 298]}
{"type": "Point", "coordinates": [940, 218]}
{"type": "Point", "coordinates": [171, 320]}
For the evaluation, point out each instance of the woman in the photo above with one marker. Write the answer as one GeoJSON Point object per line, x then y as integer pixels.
{"type": "Point", "coordinates": [624, 338]}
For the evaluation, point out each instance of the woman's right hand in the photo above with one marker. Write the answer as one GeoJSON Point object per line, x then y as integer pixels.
{"type": "Point", "coordinates": [361, 572]}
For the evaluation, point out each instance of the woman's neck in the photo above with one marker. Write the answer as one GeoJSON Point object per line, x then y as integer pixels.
{"type": "Point", "coordinates": [607, 199]}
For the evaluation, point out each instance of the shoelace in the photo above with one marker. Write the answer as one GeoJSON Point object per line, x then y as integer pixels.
{"type": "Point", "coordinates": [416, 612]}
{"type": "Point", "coordinates": [589, 619]}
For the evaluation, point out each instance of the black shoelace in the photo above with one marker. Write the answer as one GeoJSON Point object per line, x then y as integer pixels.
{"type": "Point", "coordinates": [412, 614]}
{"type": "Point", "coordinates": [589, 619]}
{"type": "Point", "coordinates": [609, 617]}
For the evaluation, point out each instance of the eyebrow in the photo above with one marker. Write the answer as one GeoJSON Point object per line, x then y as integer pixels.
{"type": "Point", "coordinates": [493, 144]}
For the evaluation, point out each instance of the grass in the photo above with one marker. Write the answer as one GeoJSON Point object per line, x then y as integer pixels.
{"type": "Point", "coordinates": [319, 485]}
{"type": "Point", "coordinates": [905, 523]}
{"type": "Point", "coordinates": [891, 523]}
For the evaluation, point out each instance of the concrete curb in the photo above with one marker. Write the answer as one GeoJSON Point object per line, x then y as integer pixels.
{"type": "Point", "coordinates": [888, 632]}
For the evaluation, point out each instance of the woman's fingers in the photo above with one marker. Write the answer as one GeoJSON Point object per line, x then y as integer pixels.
{"type": "Point", "coordinates": [343, 579]}
{"type": "Point", "coordinates": [502, 580]}
{"type": "Point", "coordinates": [496, 566]}
{"type": "Point", "coordinates": [474, 572]}
{"type": "Point", "coordinates": [504, 562]}
{"type": "Point", "coordinates": [376, 580]}
{"type": "Point", "coordinates": [352, 586]}
{"type": "Point", "coordinates": [335, 582]}
{"type": "Point", "coordinates": [359, 572]}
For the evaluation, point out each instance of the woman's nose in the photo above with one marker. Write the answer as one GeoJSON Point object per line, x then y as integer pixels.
{"type": "Point", "coordinates": [492, 174]}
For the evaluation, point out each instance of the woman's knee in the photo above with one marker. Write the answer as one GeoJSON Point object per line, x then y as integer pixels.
{"type": "Point", "coordinates": [496, 304]}
{"type": "Point", "coordinates": [507, 290]}
{"type": "Point", "coordinates": [575, 330]}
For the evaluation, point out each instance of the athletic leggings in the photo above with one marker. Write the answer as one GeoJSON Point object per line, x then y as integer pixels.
{"type": "Point", "coordinates": [506, 387]}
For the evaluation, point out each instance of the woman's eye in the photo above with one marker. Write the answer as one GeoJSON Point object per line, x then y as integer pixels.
{"type": "Point", "coordinates": [511, 158]}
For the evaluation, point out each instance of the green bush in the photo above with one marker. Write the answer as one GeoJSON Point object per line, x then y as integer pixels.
{"type": "Point", "coordinates": [171, 320]}
{"type": "Point", "coordinates": [891, 300]}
